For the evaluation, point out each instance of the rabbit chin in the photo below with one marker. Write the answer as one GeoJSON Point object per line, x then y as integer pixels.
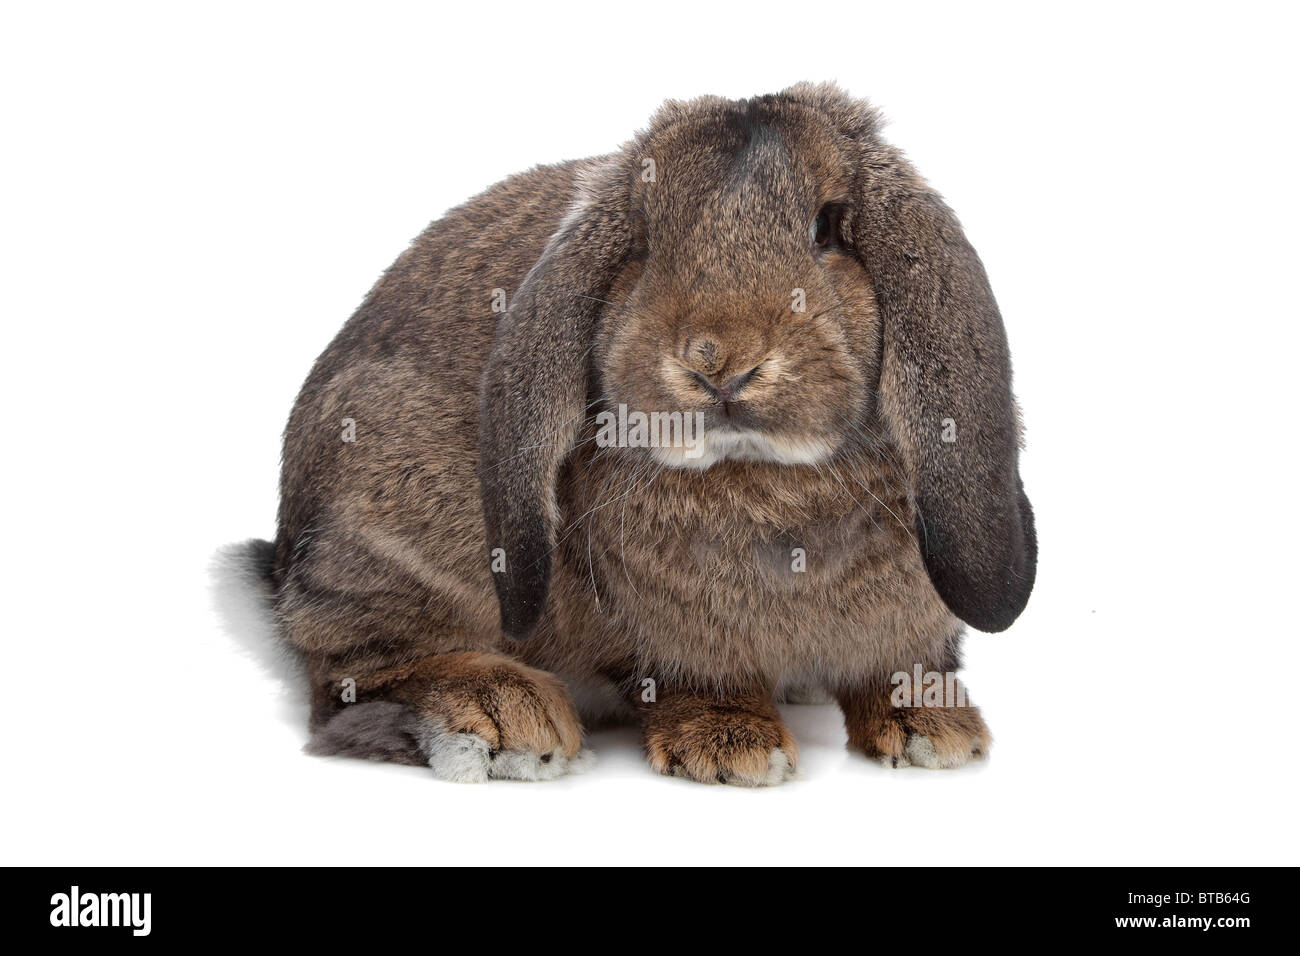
{"type": "Point", "coordinates": [722, 444]}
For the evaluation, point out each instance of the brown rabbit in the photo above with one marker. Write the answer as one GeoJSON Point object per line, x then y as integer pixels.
{"type": "Point", "coordinates": [474, 526]}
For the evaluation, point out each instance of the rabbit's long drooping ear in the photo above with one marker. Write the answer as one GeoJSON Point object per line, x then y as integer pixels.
{"type": "Point", "coordinates": [945, 390]}
{"type": "Point", "coordinates": [534, 392]}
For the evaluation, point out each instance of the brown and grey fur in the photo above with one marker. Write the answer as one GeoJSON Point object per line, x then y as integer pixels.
{"type": "Point", "coordinates": [475, 431]}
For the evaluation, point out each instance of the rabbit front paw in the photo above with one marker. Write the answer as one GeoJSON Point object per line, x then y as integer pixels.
{"type": "Point", "coordinates": [487, 717]}
{"type": "Point", "coordinates": [934, 737]}
{"type": "Point", "coordinates": [734, 740]}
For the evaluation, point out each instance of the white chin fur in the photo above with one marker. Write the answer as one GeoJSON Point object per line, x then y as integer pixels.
{"type": "Point", "coordinates": [718, 445]}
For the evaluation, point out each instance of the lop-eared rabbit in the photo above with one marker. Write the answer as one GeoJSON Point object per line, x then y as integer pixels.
{"type": "Point", "coordinates": [481, 543]}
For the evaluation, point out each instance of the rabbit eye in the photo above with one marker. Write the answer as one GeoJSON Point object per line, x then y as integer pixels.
{"type": "Point", "coordinates": [824, 230]}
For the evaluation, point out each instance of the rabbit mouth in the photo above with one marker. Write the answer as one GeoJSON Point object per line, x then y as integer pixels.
{"type": "Point", "coordinates": [731, 443]}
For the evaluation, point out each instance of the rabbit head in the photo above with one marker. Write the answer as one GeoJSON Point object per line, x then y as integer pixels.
{"type": "Point", "coordinates": [773, 266]}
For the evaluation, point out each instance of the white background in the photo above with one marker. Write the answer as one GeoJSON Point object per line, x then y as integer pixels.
{"type": "Point", "coordinates": [194, 202]}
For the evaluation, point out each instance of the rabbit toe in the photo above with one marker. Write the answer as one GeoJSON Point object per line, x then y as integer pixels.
{"type": "Point", "coordinates": [461, 757]}
{"type": "Point", "coordinates": [920, 751]}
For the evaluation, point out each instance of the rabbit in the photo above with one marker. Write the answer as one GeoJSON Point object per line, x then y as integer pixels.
{"type": "Point", "coordinates": [472, 560]}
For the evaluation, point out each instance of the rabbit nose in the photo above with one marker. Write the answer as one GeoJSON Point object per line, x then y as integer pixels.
{"type": "Point", "coordinates": [727, 390]}
{"type": "Point", "coordinates": [704, 355]}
